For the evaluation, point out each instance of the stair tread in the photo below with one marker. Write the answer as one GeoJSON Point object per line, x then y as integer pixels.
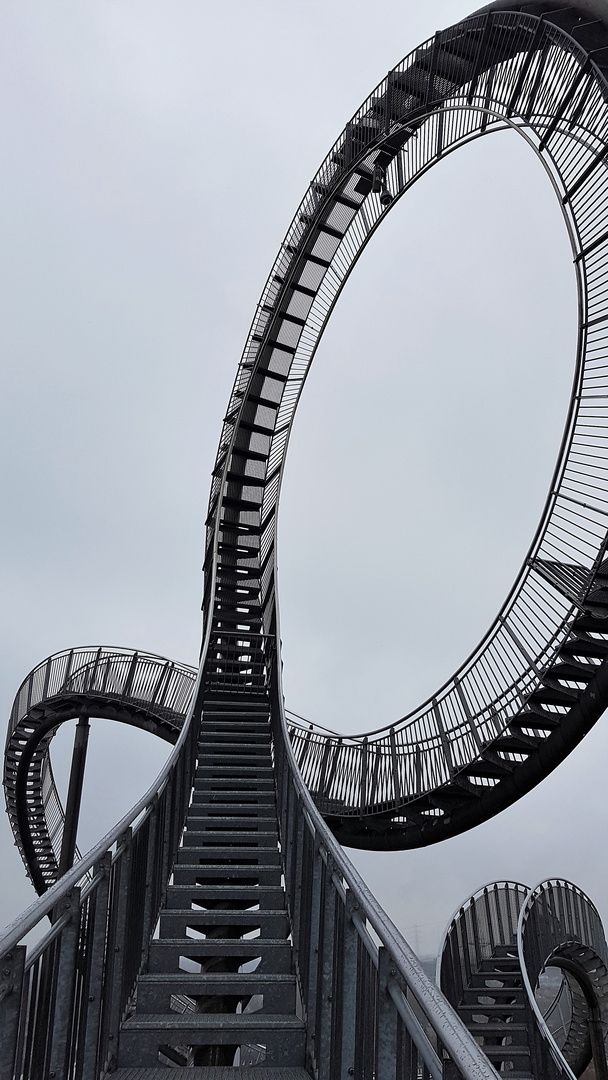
{"type": "Point", "coordinates": [218, 1072]}
{"type": "Point", "coordinates": [189, 1020]}
{"type": "Point", "coordinates": [186, 978]}
{"type": "Point", "coordinates": [217, 914]}
{"type": "Point", "coordinates": [200, 943]}
{"type": "Point", "coordinates": [487, 1010]}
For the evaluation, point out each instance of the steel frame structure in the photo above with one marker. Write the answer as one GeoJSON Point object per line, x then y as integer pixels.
{"type": "Point", "coordinates": [520, 703]}
{"type": "Point", "coordinates": [493, 952]}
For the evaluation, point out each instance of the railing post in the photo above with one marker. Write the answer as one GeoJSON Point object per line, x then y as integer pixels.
{"type": "Point", "coordinates": [63, 1017]}
{"type": "Point", "coordinates": [72, 806]}
{"type": "Point", "coordinates": [113, 985]}
{"type": "Point", "coordinates": [326, 1005]}
{"type": "Point", "coordinates": [96, 964]}
{"type": "Point", "coordinates": [350, 951]}
{"type": "Point", "coordinates": [314, 939]}
{"type": "Point", "coordinates": [294, 883]}
{"type": "Point", "coordinates": [150, 883]}
{"type": "Point", "coordinates": [166, 807]}
{"type": "Point", "coordinates": [11, 987]}
{"type": "Point", "coordinates": [386, 1067]}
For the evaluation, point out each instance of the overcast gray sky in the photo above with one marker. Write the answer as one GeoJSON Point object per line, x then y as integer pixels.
{"type": "Point", "coordinates": [153, 156]}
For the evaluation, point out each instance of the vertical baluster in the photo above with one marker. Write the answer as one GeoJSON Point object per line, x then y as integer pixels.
{"type": "Point", "coordinates": [39, 1033]}
{"type": "Point", "coordinates": [151, 885]}
{"type": "Point", "coordinates": [325, 1002]}
{"type": "Point", "coordinates": [11, 988]}
{"type": "Point", "coordinates": [387, 1019]}
{"type": "Point", "coordinates": [295, 885]}
{"type": "Point", "coordinates": [349, 991]}
{"type": "Point", "coordinates": [113, 985]}
{"type": "Point", "coordinates": [314, 916]}
{"type": "Point", "coordinates": [63, 1018]}
{"type": "Point", "coordinates": [164, 812]}
{"type": "Point", "coordinates": [96, 963]}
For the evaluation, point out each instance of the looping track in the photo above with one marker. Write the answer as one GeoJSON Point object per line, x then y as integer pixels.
{"type": "Point", "coordinates": [230, 819]}
{"type": "Point", "coordinates": [134, 688]}
{"type": "Point", "coordinates": [494, 951]}
{"type": "Point", "coordinates": [539, 679]}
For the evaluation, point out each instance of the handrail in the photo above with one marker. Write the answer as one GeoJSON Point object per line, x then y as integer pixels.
{"type": "Point", "coordinates": [527, 907]}
{"type": "Point", "coordinates": [475, 708]}
{"type": "Point", "coordinates": [19, 927]}
{"type": "Point", "coordinates": [155, 693]}
{"type": "Point", "coordinates": [457, 1041]}
{"type": "Point", "coordinates": [462, 908]}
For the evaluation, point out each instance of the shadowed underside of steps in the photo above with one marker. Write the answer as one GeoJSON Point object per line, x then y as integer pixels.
{"type": "Point", "coordinates": [220, 987]}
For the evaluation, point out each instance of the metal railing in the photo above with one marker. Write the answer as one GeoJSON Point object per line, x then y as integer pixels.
{"type": "Point", "coordinates": [62, 1000]}
{"type": "Point", "coordinates": [96, 678]}
{"type": "Point", "coordinates": [559, 926]}
{"type": "Point", "coordinates": [553, 926]}
{"type": "Point", "coordinates": [532, 78]}
{"type": "Point", "coordinates": [369, 1005]}
{"type": "Point", "coordinates": [370, 1008]}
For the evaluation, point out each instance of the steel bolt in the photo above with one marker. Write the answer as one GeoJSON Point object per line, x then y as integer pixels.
{"type": "Point", "coordinates": [351, 1072]}
{"type": "Point", "coordinates": [6, 971]}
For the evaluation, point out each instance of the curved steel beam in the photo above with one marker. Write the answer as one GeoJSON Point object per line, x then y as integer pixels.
{"type": "Point", "coordinates": [135, 688]}
{"type": "Point", "coordinates": [537, 681]}
{"type": "Point", "coordinates": [493, 953]}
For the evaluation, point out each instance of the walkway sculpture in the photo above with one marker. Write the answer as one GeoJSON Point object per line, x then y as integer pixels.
{"type": "Point", "coordinates": [220, 922]}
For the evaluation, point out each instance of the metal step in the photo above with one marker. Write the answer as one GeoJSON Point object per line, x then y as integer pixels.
{"type": "Point", "coordinates": [143, 1036]}
{"type": "Point", "coordinates": [184, 897]}
{"type": "Point", "coordinates": [190, 873]}
{"type": "Point", "coordinates": [226, 1072]}
{"type": "Point", "coordinates": [275, 954]}
{"type": "Point", "coordinates": [278, 992]}
{"type": "Point", "coordinates": [272, 924]}
{"type": "Point", "coordinates": [229, 856]}
{"type": "Point", "coordinates": [215, 819]}
{"type": "Point", "coordinates": [478, 1009]}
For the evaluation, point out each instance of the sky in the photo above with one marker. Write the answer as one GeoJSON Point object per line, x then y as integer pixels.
{"type": "Point", "coordinates": [153, 156]}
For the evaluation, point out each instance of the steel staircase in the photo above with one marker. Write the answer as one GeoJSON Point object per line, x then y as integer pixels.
{"type": "Point", "coordinates": [219, 922]}
{"type": "Point", "coordinates": [496, 1010]}
{"type": "Point", "coordinates": [494, 952]}
{"type": "Point", "coordinates": [220, 984]}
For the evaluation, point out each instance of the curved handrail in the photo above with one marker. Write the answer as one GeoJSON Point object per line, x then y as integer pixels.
{"type": "Point", "coordinates": [438, 1012]}
{"type": "Point", "coordinates": [524, 914]}
{"type": "Point", "coordinates": [44, 905]}
{"type": "Point", "coordinates": [451, 732]}
{"type": "Point", "coordinates": [488, 931]}
{"type": "Point", "coordinates": [156, 690]}
{"type": "Point", "coordinates": [470, 902]}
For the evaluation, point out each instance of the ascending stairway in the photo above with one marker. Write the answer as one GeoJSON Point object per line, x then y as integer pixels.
{"type": "Point", "coordinates": [496, 1010]}
{"type": "Point", "coordinates": [495, 952]}
{"type": "Point", "coordinates": [220, 986]}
